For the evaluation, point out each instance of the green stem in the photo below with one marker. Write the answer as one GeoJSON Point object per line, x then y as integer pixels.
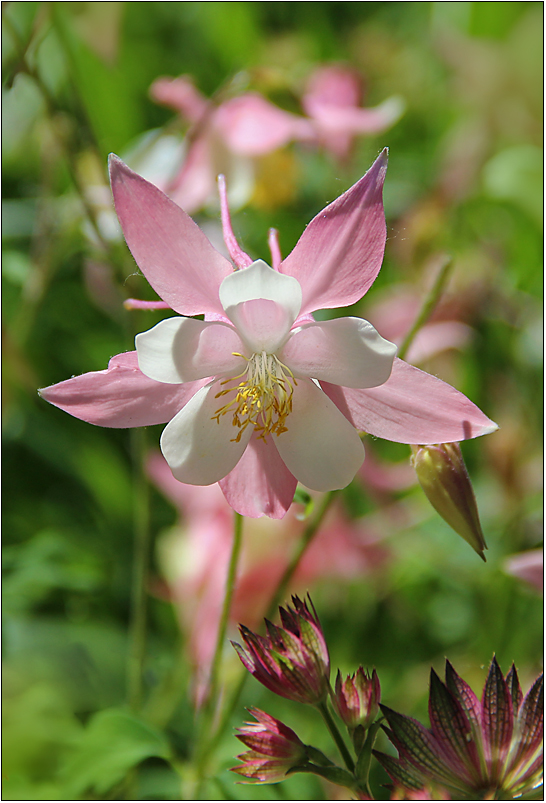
{"type": "Point", "coordinates": [336, 735]}
{"type": "Point", "coordinates": [139, 594]}
{"type": "Point", "coordinates": [224, 618]}
{"type": "Point", "coordinates": [304, 543]}
{"type": "Point", "coordinates": [365, 758]}
{"type": "Point", "coordinates": [428, 305]}
{"type": "Point", "coordinates": [205, 737]}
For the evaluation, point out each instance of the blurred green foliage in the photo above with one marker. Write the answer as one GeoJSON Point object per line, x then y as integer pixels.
{"type": "Point", "coordinates": [465, 176]}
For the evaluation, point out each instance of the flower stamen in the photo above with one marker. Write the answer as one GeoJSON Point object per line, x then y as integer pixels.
{"type": "Point", "coordinates": [263, 399]}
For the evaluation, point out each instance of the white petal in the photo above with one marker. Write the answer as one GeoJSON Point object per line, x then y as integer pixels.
{"type": "Point", "coordinates": [183, 349]}
{"type": "Point", "coordinates": [262, 303]}
{"type": "Point", "coordinates": [199, 449]}
{"type": "Point", "coordinates": [344, 351]}
{"type": "Point", "coordinates": [321, 448]}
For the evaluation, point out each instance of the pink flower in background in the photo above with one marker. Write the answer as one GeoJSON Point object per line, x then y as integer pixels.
{"type": "Point", "coordinates": [223, 139]}
{"type": "Point", "coordinates": [395, 313]}
{"type": "Point", "coordinates": [529, 567]}
{"type": "Point", "coordinates": [193, 557]}
{"type": "Point", "coordinates": [332, 100]}
{"type": "Point", "coordinates": [227, 137]}
{"type": "Point", "coordinates": [259, 395]}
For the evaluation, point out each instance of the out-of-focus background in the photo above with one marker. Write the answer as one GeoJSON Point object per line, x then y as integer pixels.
{"type": "Point", "coordinates": [455, 91]}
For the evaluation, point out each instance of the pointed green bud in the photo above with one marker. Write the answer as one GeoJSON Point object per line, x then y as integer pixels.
{"type": "Point", "coordinates": [443, 477]}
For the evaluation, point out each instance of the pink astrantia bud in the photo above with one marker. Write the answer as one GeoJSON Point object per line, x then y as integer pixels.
{"type": "Point", "coordinates": [442, 474]}
{"type": "Point", "coordinates": [293, 661]}
{"type": "Point", "coordinates": [274, 749]}
{"type": "Point", "coordinates": [478, 750]}
{"type": "Point", "coordinates": [357, 698]}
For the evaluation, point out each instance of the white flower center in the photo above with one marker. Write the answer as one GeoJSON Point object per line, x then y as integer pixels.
{"type": "Point", "coordinates": [263, 396]}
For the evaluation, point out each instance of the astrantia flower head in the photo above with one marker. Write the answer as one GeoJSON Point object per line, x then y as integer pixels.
{"type": "Point", "coordinates": [291, 661]}
{"type": "Point", "coordinates": [258, 395]}
{"type": "Point", "coordinates": [488, 750]}
{"type": "Point", "coordinates": [274, 749]}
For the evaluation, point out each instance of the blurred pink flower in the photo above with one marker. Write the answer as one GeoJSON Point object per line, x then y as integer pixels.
{"type": "Point", "coordinates": [332, 101]}
{"type": "Point", "coordinates": [193, 558]}
{"type": "Point", "coordinates": [223, 139]}
{"type": "Point", "coordinates": [529, 567]}
{"type": "Point", "coordinates": [311, 385]}
{"type": "Point", "coordinates": [395, 313]}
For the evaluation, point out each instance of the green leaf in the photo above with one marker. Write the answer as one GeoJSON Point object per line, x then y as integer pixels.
{"type": "Point", "coordinates": [115, 741]}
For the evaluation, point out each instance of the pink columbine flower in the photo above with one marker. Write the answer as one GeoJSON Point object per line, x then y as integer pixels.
{"type": "Point", "coordinates": [486, 750]}
{"type": "Point", "coordinates": [274, 749]}
{"type": "Point", "coordinates": [259, 395]}
{"type": "Point", "coordinates": [356, 699]}
{"type": "Point", "coordinates": [291, 661]}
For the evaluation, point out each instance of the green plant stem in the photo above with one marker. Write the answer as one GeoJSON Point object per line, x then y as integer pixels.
{"type": "Point", "coordinates": [304, 543]}
{"type": "Point", "coordinates": [228, 597]}
{"type": "Point", "coordinates": [336, 735]}
{"type": "Point", "coordinates": [365, 757]}
{"type": "Point", "coordinates": [206, 738]}
{"type": "Point", "coordinates": [429, 304]}
{"type": "Point", "coordinates": [139, 589]}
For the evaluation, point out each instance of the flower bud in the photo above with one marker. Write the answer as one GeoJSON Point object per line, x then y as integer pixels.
{"type": "Point", "coordinates": [274, 749]}
{"type": "Point", "coordinates": [292, 661]}
{"type": "Point", "coordinates": [443, 477]}
{"type": "Point", "coordinates": [357, 698]}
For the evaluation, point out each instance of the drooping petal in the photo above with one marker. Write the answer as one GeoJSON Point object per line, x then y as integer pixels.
{"type": "Point", "coordinates": [120, 396]}
{"type": "Point", "coordinates": [184, 349]}
{"type": "Point", "coordinates": [260, 484]}
{"type": "Point", "coordinates": [412, 407]}
{"type": "Point", "coordinates": [262, 303]}
{"type": "Point", "coordinates": [344, 351]}
{"type": "Point", "coordinates": [171, 250]}
{"type": "Point", "coordinates": [339, 254]}
{"type": "Point", "coordinates": [320, 447]}
{"type": "Point", "coordinates": [199, 449]}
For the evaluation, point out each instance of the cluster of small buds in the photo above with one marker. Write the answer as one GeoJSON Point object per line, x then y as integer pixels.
{"type": "Point", "coordinates": [293, 662]}
{"type": "Point", "coordinates": [475, 750]}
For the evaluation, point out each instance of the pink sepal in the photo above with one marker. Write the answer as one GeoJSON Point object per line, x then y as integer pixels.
{"type": "Point", "coordinates": [120, 396]}
{"type": "Point", "coordinates": [411, 407]}
{"type": "Point", "coordinates": [176, 257]}
{"type": "Point", "coordinates": [338, 256]}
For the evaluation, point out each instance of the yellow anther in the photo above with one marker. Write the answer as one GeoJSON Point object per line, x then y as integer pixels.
{"type": "Point", "coordinates": [263, 397]}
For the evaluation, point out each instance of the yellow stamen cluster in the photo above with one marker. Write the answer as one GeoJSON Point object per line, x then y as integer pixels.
{"type": "Point", "coordinates": [263, 397]}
